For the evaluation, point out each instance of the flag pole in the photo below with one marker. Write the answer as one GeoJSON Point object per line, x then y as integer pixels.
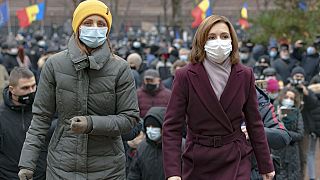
{"type": "Point", "coordinates": [8, 15]}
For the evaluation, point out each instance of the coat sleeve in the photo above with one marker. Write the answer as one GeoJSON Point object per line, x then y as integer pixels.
{"type": "Point", "coordinates": [173, 125]}
{"type": "Point", "coordinates": [256, 129]}
{"type": "Point", "coordinates": [133, 133]}
{"type": "Point", "coordinates": [277, 135]}
{"type": "Point", "coordinates": [311, 101]}
{"type": "Point", "coordinates": [43, 110]}
{"type": "Point", "coordinates": [127, 111]}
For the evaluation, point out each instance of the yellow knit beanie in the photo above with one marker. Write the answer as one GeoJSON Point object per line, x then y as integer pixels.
{"type": "Point", "coordinates": [90, 7]}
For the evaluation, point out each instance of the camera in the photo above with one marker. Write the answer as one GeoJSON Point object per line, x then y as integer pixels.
{"type": "Point", "coordinates": [296, 84]}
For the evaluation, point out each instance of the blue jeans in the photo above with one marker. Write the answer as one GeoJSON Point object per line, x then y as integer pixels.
{"type": "Point", "coordinates": [311, 157]}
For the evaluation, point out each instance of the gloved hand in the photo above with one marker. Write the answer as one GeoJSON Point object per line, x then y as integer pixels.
{"type": "Point", "coordinates": [81, 124]}
{"type": "Point", "coordinates": [25, 174]}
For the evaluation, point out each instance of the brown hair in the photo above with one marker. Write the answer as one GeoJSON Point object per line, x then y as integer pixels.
{"type": "Point", "coordinates": [197, 52]}
{"type": "Point", "coordinates": [19, 73]}
{"type": "Point", "coordinates": [297, 96]}
{"type": "Point", "coordinates": [178, 63]}
{"type": "Point", "coordinates": [21, 53]}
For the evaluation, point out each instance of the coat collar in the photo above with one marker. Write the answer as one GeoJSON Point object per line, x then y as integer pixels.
{"type": "Point", "coordinates": [200, 81]}
{"type": "Point", "coordinates": [96, 60]}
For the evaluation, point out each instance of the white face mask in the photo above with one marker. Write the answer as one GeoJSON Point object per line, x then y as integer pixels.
{"type": "Point", "coordinates": [218, 50]}
{"type": "Point", "coordinates": [154, 133]}
{"type": "Point", "coordinates": [288, 103]}
{"type": "Point", "coordinates": [93, 36]}
{"type": "Point", "coordinates": [183, 57]}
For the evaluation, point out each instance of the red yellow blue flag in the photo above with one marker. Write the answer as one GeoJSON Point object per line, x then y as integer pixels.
{"type": "Point", "coordinates": [200, 12]}
{"type": "Point", "coordinates": [243, 21]}
{"type": "Point", "coordinates": [30, 14]}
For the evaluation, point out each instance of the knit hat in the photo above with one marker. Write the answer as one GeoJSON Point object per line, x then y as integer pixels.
{"type": "Point", "coordinates": [298, 70]}
{"type": "Point", "coordinates": [284, 47]}
{"type": "Point", "coordinates": [272, 86]}
{"type": "Point", "coordinates": [151, 73]}
{"type": "Point", "coordinates": [269, 71]}
{"type": "Point", "coordinates": [88, 8]}
{"type": "Point", "coordinates": [151, 121]}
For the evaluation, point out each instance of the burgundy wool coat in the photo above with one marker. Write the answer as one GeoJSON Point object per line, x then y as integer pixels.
{"type": "Point", "coordinates": [193, 101]}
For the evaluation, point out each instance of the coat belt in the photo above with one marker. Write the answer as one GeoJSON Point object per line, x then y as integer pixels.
{"type": "Point", "coordinates": [215, 141]}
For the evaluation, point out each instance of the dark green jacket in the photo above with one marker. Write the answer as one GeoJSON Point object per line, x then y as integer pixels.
{"type": "Point", "coordinates": [100, 86]}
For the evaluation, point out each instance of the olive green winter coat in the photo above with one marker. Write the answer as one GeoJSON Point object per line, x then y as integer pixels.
{"type": "Point", "coordinates": [100, 86]}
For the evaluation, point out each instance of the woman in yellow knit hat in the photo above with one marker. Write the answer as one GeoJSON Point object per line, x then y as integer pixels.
{"type": "Point", "coordinates": [93, 93]}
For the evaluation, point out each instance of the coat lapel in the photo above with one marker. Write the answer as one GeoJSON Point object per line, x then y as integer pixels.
{"type": "Point", "coordinates": [201, 84]}
{"type": "Point", "coordinates": [231, 90]}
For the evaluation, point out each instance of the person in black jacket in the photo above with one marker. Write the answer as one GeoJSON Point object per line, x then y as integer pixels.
{"type": "Point", "coordinates": [277, 135]}
{"type": "Point", "coordinates": [288, 105]}
{"type": "Point", "coordinates": [147, 162]}
{"type": "Point", "coordinates": [311, 118]}
{"type": "Point", "coordinates": [16, 115]}
{"type": "Point", "coordinates": [284, 64]}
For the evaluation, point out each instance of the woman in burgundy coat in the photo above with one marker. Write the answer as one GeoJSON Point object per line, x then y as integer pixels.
{"type": "Point", "coordinates": [214, 95]}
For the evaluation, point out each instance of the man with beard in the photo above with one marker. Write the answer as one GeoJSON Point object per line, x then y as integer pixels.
{"type": "Point", "coordinates": [16, 115]}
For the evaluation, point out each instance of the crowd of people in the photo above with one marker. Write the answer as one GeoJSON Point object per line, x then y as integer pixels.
{"type": "Point", "coordinates": [134, 96]}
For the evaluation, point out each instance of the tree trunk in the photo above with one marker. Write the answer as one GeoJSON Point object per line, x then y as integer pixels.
{"type": "Point", "coordinates": [176, 21]}
{"type": "Point", "coordinates": [164, 6]}
{"type": "Point", "coordinates": [114, 4]}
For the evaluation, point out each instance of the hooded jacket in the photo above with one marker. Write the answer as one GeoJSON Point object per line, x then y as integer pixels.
{"type": "Point", "coordinates": [277, 135]}
{"type": "Point", "coordinates": [14, 123]}
{"type": "Point", "coordinates": [311, 110]}
{"type": "Point", "coordinates": [147, 163]}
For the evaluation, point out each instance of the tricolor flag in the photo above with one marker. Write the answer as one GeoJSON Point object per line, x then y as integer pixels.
{"type": "Point", "coordinates": [31, 13]}
{"type": "Point", "coordinates": [200, 12]}
{"type": "Point", "coordinates": [243, 21]}
{"type": "Point", "coordinates": [4, 13]}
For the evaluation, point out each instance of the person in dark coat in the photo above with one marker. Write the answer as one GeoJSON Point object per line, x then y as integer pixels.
{"type": "Point", "coordinates": [289, 113]}
{"type": "Point", "coordinates": [284, 64]}
{"type": "Point", "coordinates": [311, 119]}
{"type": "Point", "coordinates": [16, 116]}
{"type": "Point", "coordinates": [10, 57]}
{"type": "Point", "coordinates": [213, 95]}
{"type": "Point", "coordinates": [310, 63]}
{"type": "Point", "coordinates": [277, 135]}
{"type": "Point", "coordinates": [135, 62]}
{"type": "Point", "coordinates": [152, 93]}
{"type": "Point", "coordinates": [245, 57]}
{"type": "Point", "coordinates": [147, 162]}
